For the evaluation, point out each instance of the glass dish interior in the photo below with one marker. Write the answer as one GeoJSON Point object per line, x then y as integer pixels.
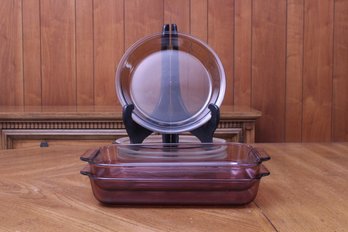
{"type": "Point", "coordinates": [176, 161]}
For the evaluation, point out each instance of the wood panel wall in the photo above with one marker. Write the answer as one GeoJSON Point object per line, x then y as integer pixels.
{"type": "Point", "coordinates": [286, 58]}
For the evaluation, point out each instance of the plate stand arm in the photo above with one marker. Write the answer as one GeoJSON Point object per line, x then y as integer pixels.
{"type": "Point", "coordinates": [136, 133]}
{"type": "Point", "coordinates": [205, 132]}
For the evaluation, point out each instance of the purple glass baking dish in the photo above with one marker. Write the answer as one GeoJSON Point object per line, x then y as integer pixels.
{"type": "Point", "coordinates": [139, 190]}
{"type": "Point", "coordinates": [218, 173]}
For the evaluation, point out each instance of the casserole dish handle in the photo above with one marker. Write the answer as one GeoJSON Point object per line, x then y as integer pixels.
{"type": "Point", "coordinates": [261, 154]}
{"type": "Point", "coordinates": [86, 171]}
{"type": "Point", "coordinates": [263, 172]}
{"type": "Point", "coordinates": [90, 154]}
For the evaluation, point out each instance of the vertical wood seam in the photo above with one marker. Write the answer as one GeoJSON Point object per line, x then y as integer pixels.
{"type": "Point", "coordinates": [93, 37]}
{"type": "Point", "coordinates": [207, 21]}
{"type": "Point", "coordinates": [286, 67]}
{"type": "Point", "coordinates": [206, 39]}
{"type": "Point", "coordinates": [302, 41]}
{"type": "Point", "coordinates": [190, 8]}
{"type": "Point", "coordinates": [75, 48]}
{"type": "Point", "coordinates": [251, 51]}
{"type": "Point", "coordinates": [303, 48]}
{"type": "Point", "coordinates": [332, 67]}
{"type": "Point", "coordinates": [163, 9]}
{"type": "Point", "coordinates": [234, 53]}
{"type": "Point", "coordinates": [22, 57]}
{"type": "Point", "coordinates": [40, 19]}
{"type": "Point", "coordinates": [333, 74]}
{"type": "Point", "coordinates": [124, 26]}
{"type": "Point", "coordinates": [93, 55]}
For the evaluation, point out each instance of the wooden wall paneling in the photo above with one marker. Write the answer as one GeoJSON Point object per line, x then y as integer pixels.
{"type": "Point", "coordinates": [268, 68]}
{"type": "Point", "coordinates": [220, 38]}
{"type": "Point", "coordinates": [11, 64]}
{"type": "Point", "coordinates": [108, 48]}
{"type": "Point", "coordinates": [286, 58]}
{"type": "Point", "coordinates": [84, 53]}
{"type": "Point", "coordinates": [58, 52]}
{"type": "Point", "coordinates": [178, 12]}
{"type": "Point", "coordinates": [242, 52]}
{"type": "Point", "coordinates": [294, 63]}
{"type": "Point", "coordinates": [31, 53]}
{"type": "Point", "coordinates": [317, 70]}
{"type": "Point", "coordinates": [199, 19]}
{"type": "Point", "coordinates": [340, 81]}
{"type": "Point", "coordinates": [142, 18]}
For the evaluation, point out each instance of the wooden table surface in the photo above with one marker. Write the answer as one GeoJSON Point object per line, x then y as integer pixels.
{"type": "Point", "coordinates": [41, 190]}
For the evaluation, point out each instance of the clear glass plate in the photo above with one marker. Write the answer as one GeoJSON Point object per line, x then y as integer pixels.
{"type": "Point", "coordinates": [170, 89]}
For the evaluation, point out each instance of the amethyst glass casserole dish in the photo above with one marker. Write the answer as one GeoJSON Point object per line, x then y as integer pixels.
{"type": "Point", "coordinates": [196, 173]}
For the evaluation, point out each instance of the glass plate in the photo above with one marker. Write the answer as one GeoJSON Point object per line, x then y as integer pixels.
{"type": "Point", "coordinates": [170, 89]}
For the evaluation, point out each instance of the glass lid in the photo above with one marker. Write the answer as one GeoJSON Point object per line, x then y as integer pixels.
{"type": "Point", "coordinates": [170, 80]}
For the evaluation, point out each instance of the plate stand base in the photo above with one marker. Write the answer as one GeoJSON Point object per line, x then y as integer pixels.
{"type": "Point", "coordinates": [138, 133]}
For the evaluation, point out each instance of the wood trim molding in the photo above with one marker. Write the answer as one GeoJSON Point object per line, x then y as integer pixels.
{"type": "Point", "coordinates": [236, 124]}
{"type": "Point", "coordinates": [9, 135]}
{"type": "Point", "coordinates": [61, 124]}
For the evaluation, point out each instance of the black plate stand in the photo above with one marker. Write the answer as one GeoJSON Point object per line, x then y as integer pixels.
{"type": "Point", "coordinates": [138, 133]}
{"type": "Point", "coordinates": [205, 132]}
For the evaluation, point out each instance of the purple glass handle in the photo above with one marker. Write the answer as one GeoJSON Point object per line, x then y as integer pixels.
{"type": "Point", "coordinates": [262, 154]}
{"type": "Point", "coordinates": [89, 155]}
{"type": "Point", "coordinates": [263, 171]}
{"type": "Point", "coordinates": [86, 171]}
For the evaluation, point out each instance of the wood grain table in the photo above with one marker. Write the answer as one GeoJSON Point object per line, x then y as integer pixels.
{"type": "Point", "coordinates": [41, 190]}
